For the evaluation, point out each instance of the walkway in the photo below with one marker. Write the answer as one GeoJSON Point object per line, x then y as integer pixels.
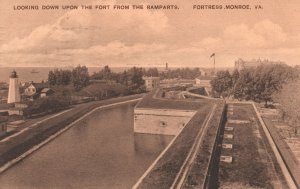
{"type": "Point", "coordinates": [285, 139]}
{"type": "Point", "coordinates": [32, 123]}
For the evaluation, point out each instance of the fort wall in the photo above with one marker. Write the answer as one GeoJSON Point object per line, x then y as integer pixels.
{"type": "Point", "coordinates": [161, 121]}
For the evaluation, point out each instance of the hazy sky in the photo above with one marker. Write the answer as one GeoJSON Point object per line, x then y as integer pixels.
{"type": "Point", "coordinates": [184, 37]}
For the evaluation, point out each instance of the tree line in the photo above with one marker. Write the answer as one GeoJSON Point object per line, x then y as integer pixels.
{"type": "Point", "coordinates": [78, 76]}
{"type": "Point", "coordinates": [289, 98]}
{"type": "Point", "coordinates": [183, 73]}
{"type": "Point", "coordinates": [257, 84]}
{"type": "Point", "coordinates": [132, 78]}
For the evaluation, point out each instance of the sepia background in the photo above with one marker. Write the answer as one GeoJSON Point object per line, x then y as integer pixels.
{"type": "Point", "coordinates": [183, 37]}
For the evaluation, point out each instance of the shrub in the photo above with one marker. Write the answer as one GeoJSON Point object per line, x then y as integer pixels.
{"type": "Point", "coordinates": [46, 105]}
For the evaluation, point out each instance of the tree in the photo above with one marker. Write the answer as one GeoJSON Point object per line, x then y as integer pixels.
{"type": "Point", "coordinates": [123, 78]}
{"type": "Point", "coordinates": [51, 78]}
{"type": "Point", "coordinates": [136, 77]}
{"type": "Point", "coordinates": [268, 79]}
{"type": "Point", "coordinates": [59, 77]}
{"type": "Point", "coordinates": [235, 77]}
{"type": "Point", "coordinates": [222, 83]}
{"type": "Point", "coordinates": [244, 85]}
{"type": "Point", "coordinates": [106, 72]}
{"type": "Point", "coordinates": [258, 84]}
{"type": "Point", "coordinates": [289, 98]}
{"type": "Point", "coordinates": [80, 77]}
{"type": "Point", "coordinates": [66, 77]}
{"type": "Point", "coordinates": [47, 105]}
{"type": "Point", "coordinates": [152, 72]}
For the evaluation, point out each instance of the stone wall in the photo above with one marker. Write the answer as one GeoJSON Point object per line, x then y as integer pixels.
{"type": "Point", "coordinates": [161, 121]}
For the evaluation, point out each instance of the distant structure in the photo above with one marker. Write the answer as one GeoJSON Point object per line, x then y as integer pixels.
{"type": "Point", "coordinates": [46, 92]}
{"type": "Point", "coordinates": [241, 64]}
{"type": "Point", "coordinates": [203, 72]}
{"type": "Point", "coordinates": [14, 91]}
{"type": "Point", "coordinates": [151, 83]}
{"type": "Point", "coordinates": [167, 66]}
{"type": "Point", "coordinates": [37, 90]}
{"type": "Point", "coordinates": [203, 81]}
{"type": "Point", "coordinates": [155, 114]}
{"type": "Point", "coordinates": [33, 71]}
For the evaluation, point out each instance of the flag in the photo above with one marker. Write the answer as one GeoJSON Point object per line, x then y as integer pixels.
{"type": "Point", "coordinates": [212, 55]}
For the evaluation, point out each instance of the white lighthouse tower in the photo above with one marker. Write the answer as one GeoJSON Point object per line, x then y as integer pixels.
{"type": "Point", "coordinates": [13, 92]}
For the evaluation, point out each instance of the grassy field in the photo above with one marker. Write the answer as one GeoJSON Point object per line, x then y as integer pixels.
{"type": "Point", "coordinates": [165, 171]}
{"type": "Point", "coordinates": [254, 164]}
{"type": "Point", "coordinates": [26, 140]}
{"type": "Point", "coordinates": [197, 174]}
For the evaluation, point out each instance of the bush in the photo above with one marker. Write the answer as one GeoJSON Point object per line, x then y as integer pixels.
{"type": "Point", "coordinates": [104, 90]}
{"type": "Point", "coordinates": [47, 105]}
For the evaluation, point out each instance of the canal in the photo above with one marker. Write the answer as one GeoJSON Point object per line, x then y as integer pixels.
{"type": "Point", "coordinates": [100, 151]}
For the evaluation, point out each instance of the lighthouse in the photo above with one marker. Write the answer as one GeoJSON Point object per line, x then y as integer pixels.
{"type": "Point", "coordinates": [13, 92]}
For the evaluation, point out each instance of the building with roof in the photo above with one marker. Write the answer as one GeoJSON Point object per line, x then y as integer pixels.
{"type": "Point", "coordinates": [203, 72]}
{"type": "Point", "coordinates": [151, 83]}
{"type": "Point", "coordinates": [157, 114]}
{"type": "Point", "coordinates": [46, 92]}
{"type": "Point", "coordinates": [241, 64]}
{"type": "Point", "coordinates": [36, 90]}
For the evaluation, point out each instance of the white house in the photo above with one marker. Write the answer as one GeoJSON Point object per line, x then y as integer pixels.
{"type": "Point", "coordinates": [36, 90]}
{"type": "Point", "coordinates": [151, 82]}
{"type": "Point", "coordinates": [46, 92]}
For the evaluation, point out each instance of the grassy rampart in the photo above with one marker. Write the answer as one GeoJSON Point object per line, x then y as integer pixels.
{"type": "Point", "coordinates": [164, 172]}
{"type": "Point", "coordinates": [197, 177]}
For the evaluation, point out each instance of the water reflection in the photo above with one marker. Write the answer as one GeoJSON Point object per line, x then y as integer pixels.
{"type": "Point", "coordinates": [146, 144]}
{"type": "Point", "coordinates": [99, 152]}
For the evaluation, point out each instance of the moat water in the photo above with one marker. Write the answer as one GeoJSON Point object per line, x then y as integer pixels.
{"type": "Point", "coordinates": [100, 151]}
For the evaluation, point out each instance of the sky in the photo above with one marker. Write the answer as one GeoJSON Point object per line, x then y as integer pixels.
{"type": "Point", "coordinates": [183, 37]}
